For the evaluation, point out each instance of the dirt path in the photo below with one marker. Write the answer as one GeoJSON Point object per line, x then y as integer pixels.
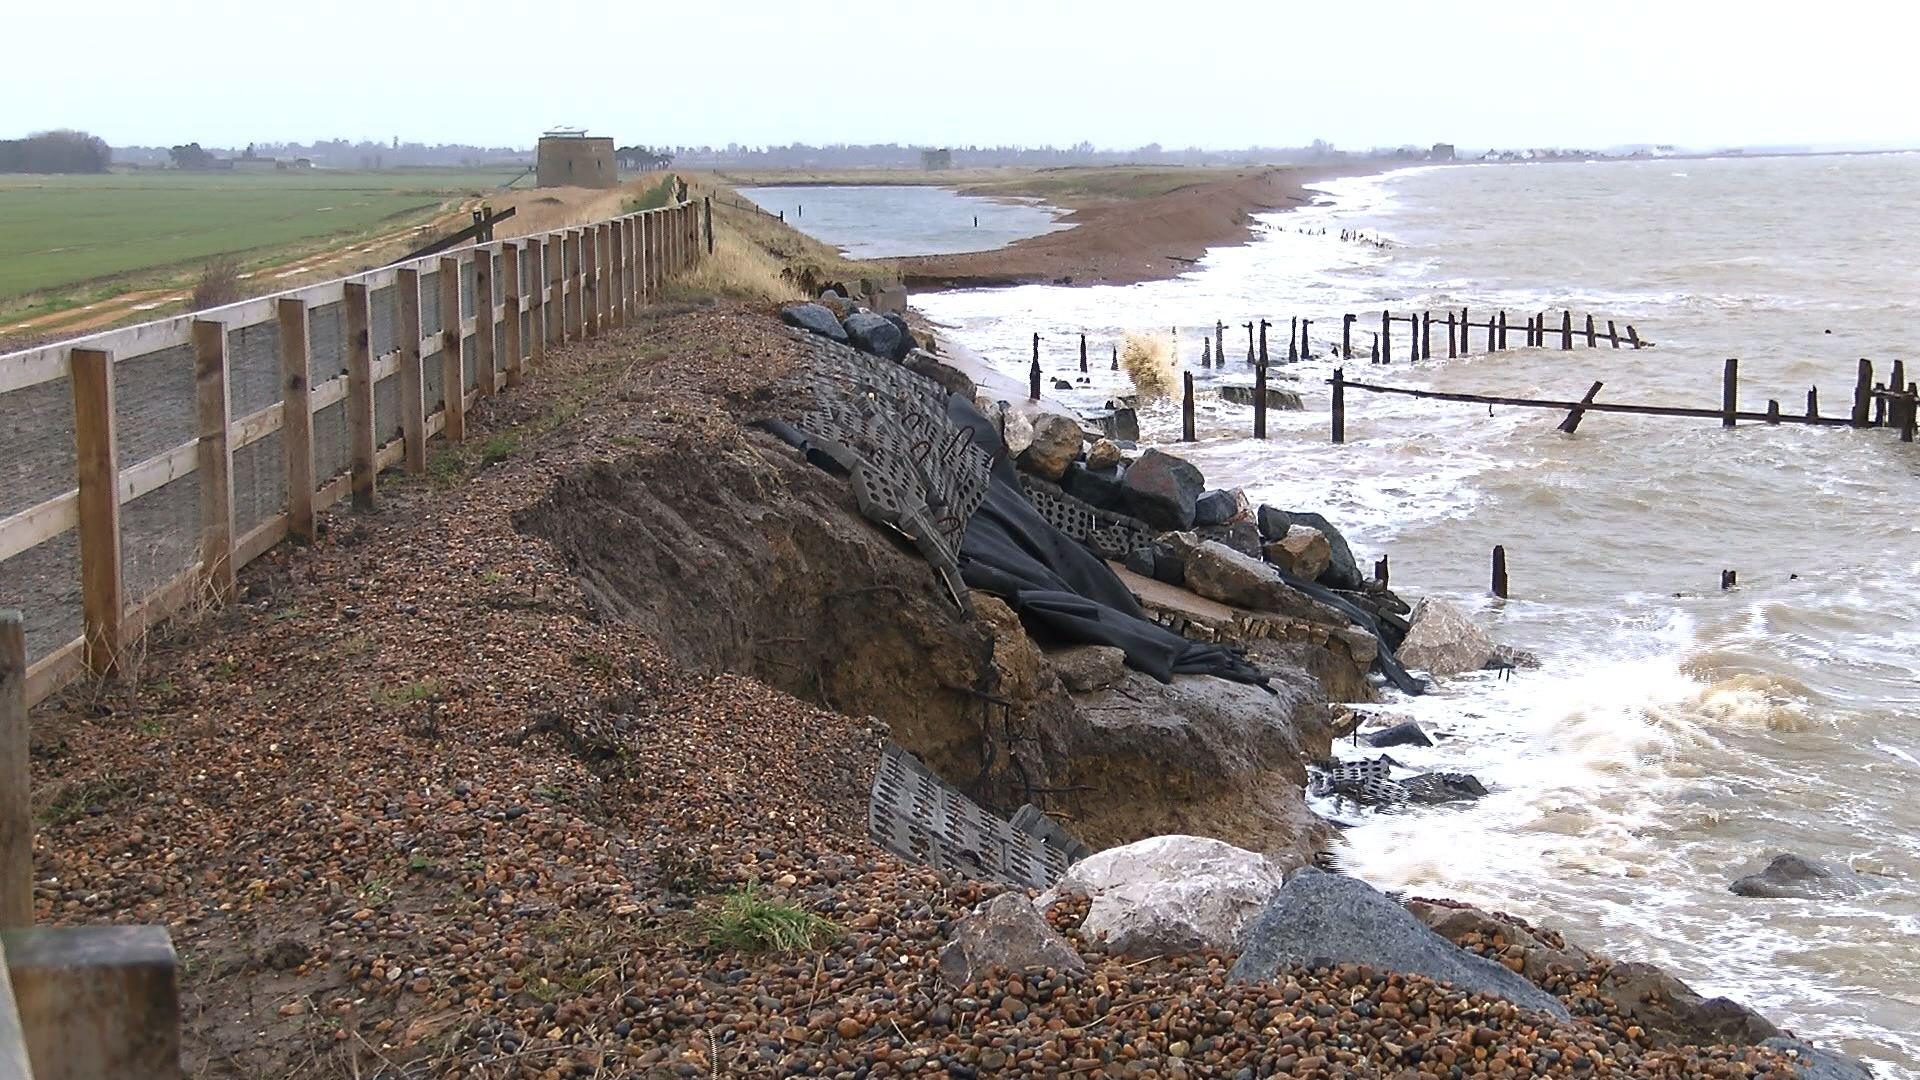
{"type": "Point", "coordinates": [1126, 241]}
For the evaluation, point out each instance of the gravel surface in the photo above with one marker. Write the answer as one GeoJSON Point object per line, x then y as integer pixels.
{"type": "Point", "coordinates": [409, 810]}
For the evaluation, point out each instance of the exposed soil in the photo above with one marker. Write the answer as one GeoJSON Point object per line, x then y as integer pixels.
{"type": "Point", "coordinates": [1129, 240]}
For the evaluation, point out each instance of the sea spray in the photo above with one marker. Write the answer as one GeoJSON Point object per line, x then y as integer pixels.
{"type": "Point", "coordinates": [1149, 361]}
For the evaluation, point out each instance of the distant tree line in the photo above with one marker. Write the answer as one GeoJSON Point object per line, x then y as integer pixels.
{"type": "Point", "coordinates": [55, 152]}
{"type": "Point", "coordinates": [897, 156]}
{"type": "Point", "coordinates": [335, 154]}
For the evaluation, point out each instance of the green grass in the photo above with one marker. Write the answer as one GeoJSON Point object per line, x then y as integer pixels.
{"type": "Point", "coordinates": [60, 231]}
{"type": "Point", "coordinates": [749, 922]}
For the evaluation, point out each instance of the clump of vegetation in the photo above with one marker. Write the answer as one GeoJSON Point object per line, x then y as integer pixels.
{"type": "Point", "coordinates": [687, 872]}
{"type": "Point", "coordinates": [218, 286]}
{"type": "Point", "coordinates": [746, 921]}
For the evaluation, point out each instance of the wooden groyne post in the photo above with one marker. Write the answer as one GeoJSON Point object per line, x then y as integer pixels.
{"type": "Point", "coordinates": [1339, 405]}
{"type": "Point", "coordinates": [1453, 345]}
{"type": "Point", "coordinates": [1574, 415]}
{"type": "Point", "coordinates": [1186, 407]}
{"type": "Point", "coordinates": [1220, 341]}
{"type": "Point", "coordinates": [1346, 336]}
{"type": "Point", "coordinates": [1862, 393]}
{"type": "Point", "coordinates": [1500, 571]}
{"type": "Point", "coordinates": [1386, 338]}
{"type": "Point", "coordinates": [1033, 372]}
{"type": "Point", "coordinates": [1083, 354]}
{"type": "Point", "coordinates": [1566, 330]}
{"type": "Point", "coordinates": [1730, 394]}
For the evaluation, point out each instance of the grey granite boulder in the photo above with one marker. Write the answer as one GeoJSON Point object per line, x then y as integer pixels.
{"type": "Point", "coordinates": [1273, 522]}
{"type": "Point", "coordinates": [1218, 572]}
{"type": "Point", "coordinates": [1444, 640]}
{"type": "Point", "coordinates": [814, 318]}
{"type": "Point", "coordinates": [1343, 920]}
{"type": "Point", "coordinates": [1215, 507]}
{"type": "Point", "coordinates": [1096, 486]}
{"type": "Point", "coordinates": [872, 333]}
{"type": "Point", "coordinates": [1009, 932]}
{"type": "Point", "coordinates": [1169, 894]}
{"type": "Point", "coordinates": [1342, 571]}
{"type": "Point", "coordinates": [1056, 442]}
{"type": "Point", "coordinates": [1795, 877]}
{"type": "Point", "coordinates": [1162, 490]}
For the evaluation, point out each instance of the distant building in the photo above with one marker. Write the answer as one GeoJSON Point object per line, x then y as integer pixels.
{"type": "Point", "coordinates": [1442, 151]}
{"type": "Point", "coordinates": [936, 160]}
{"type": "Point", "coordinates": [570, 158]}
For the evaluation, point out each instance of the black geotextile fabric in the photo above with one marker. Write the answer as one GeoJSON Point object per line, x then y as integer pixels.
{"type": "Point", "coordinates": [1059, 588]}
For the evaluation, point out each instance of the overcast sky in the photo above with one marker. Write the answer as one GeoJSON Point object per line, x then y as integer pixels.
{"type": "Point", "coordinates": [1118, 73]}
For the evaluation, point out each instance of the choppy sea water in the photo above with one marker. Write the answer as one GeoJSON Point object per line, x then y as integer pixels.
{"type": "Point", "coordinates": [880, 221]}
{"type": "Point", "coordinates": [1676, 735]}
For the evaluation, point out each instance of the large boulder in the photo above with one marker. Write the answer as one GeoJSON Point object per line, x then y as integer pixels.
{"type": "Point", "coordinates": [1673, 1015]}
{"type": "Point", "coordinates": [907, 343]}
{"type": "Point", "coordinates": [1096, 486]}
{"type": "Point", "coordinates": [873, 333]}
{"type": "Point", "coordinates": [814, 318]}
{"type": "Point", "coordinates": [1302, 552]}
{"type": "Point", "coordinates": [1007, 932]}
{"type": "Point", "coordinates": [891, 300]}
{"type": "Point", "coordinates": [1218, 572]}
{"type": "Point", "coordinates": [1404, 733]}
{"type": "Point", "coordinates": [955, 381]}
{"type": "Point", "coordinates": [1104, 454]}
{"type": "Point", "coordinates": [1241, 536]}
{"type": "Point", "coordinates": [1791, 876]}
{"type": "Point", "coordinates": [1812, 1063]}
{"type": "Point", "coordinates": [1216, 507]}
{"type": "Point", "coordinates": [1016, 431]}
{"type": "Point", "coordinates": [1170, 894]}
{"type": "Point", "coordinates": [1084, 668]}
{"type": "Point", "coordinates": [1444, 640]}
{"type": "Point", "coordinates": [1056, 442]}
{"type": "Point", "coordinates": [1342, 572]}
{"type": "Point", "coordinates": [1162, 490]}
{"type": "Point", "coordinates": [1320, 917]}
{"type": "Point", "coordinates": [1538, 953]}
{"type": "Point", "coordinates": [1273, 522]}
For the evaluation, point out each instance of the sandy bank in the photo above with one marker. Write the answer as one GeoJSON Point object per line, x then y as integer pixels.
{"type": "Point", "coordinates": [1125, 241]}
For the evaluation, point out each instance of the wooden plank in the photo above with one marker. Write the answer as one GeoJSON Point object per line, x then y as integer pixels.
{"type": "Point", "coordinates": [162, 602]}
{"type": "Point", "coordinates": [32, 367]}
{"type": "Point", "coordinates": [97, 1002]}
{"type": "Point", "coordinates": [453, 372]}
{"type": "Point", "coordinates": [39, 523]}
{"type": "Point", "coordinates": [631, 226]}
{"type": "Point", "coordinates": [603, 276]}
{"type": "Point", "coordinates": [328, 393]}
{"type": "Point", "coordinates": [296, 421]}
{"type": "Point", "coordinates": [55, 670]}
{"type": "Point", "coordinates": [617, 273]}
{"type": "Point", "coordinates": [158, 471]}
{"type": "Point", "coordinates": [96, 459]}
{"type": "Point", "coordinates": [484, 364]}
{"type": "Point", "coordinates": [412, 373]}
{"type": "Point", "coordinates": [391, 453]}
{"type": "Point", "coordinates": [360, 437]}
{"type": "Point", "coordinates": [256, 541]}
{"type": "Point", "coordinates": [254, 427]}
{"type": "Point", "coordinates": [213, 396]}
{"type": "Point", "coordinates": [556, 307]}
{"type": "Point", "coordinates": [1597, 406]}
{"type": "Point", "coordinates": [1572, 423]}
{"type": "Point", "coordinates": [510, 332]}
{"type": "Point", "coordinates": [16, 812]}
{"type": "Point", "coordinates": [13, 1041]}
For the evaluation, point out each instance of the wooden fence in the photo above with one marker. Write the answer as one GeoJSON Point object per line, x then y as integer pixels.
{"type": "Point", "coordinates": [381, 347]}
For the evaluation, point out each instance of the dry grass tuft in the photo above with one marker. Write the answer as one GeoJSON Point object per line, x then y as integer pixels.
{"type": "Point", "coordinates": [739, 269]}
{"type": "Point", "coordinates": [218, 286]}
{"type": "Point", "coordinates": [1149, 361]}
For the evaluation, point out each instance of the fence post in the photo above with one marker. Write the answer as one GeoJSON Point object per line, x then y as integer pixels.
{"type": "Point", "coordinates": [1591, 342]}
{"type": "Point", "coordinates": [1386, 338]}
{"type": "Point", "coordinates": [16, 812]}
{"type": "Point", "coordinates": [1500, 571]}
{"type": "Point", "coordinates": [1339, 405]}
{"type": "Point", "coordinates": [1452, 351]}
{"type": "Point", "coordinates": [589, 281]}
{"type": "Point", "coordinates": [296, 416]}
{"type": "Point", "coordinates": [1773, 410]}
{"type": "Point", "coordinates": [1613, 334]}
{"type": "Point", "coordinates": [1730, 393]}
{"type": "Point", "coordinates": [412, 380]}
{"type": "Point", "coordinates": [538, 252]}
{"type": "Point", "coordinates": [453, 374]}
{"type": "Point", "coordinates": [630, 229]}
{"type": "Point", "coordinates": [1813, 402]}
{"type": "Point", "coordinates": [483, 339]}
{"type": "Point", "coordinates": [510, 329]}
{"type": "Point", "coordinates": [1260, 398]}
{"type": "Point", "coordinates": [1220, 342]}
{"type": "Point", "coordinates": [97, 462]}
{"type": "Point", "coordinates": [1033, 372]}
{"type": "Point", "coordinates": [1503, 329]}
{"type": "Point", "coordinates": [1083, 354]}
{"type": "Point", "coordinates": [360, 438]}
{"type": "Point", "coordinates": [1908, 412]}
{"type": "Point", "coordinates": [1426, 335]}
{"type": "Point", "coordinates": [1306, 346]}
{"type": "Point", "coordinates": [1346, 336]}
{"type": "Point", "coordinates": [213, 406]}
{"type": "Point", "coordinates": [617, 273]}
{"type": "Point", "coordinates": [708, 200]}
{"type": "Point", "coordinates": [1186, 407]}
{"type": "Point", "coordinates": [1566, 329]}
{"type": "Point", "coordinates": [603, 288]}
{"type": "Point", "coordinates": [97, 1002]}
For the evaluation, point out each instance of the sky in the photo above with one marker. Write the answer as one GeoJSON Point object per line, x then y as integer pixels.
{"type": "Point", "coordinates": [1117, 73]}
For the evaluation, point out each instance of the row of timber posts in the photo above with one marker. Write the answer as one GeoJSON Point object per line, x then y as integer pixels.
{"type": "Point", "coordinates": [596, 278]}
{"type": "Point", "coordinates": [1538, 334]}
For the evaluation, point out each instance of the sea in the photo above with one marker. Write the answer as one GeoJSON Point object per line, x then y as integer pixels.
{"type": "Point", "coordinates": [1675, 735]}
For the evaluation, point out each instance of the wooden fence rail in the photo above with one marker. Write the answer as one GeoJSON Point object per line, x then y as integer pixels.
{"type": "Point", "coordinates": [530, 292]}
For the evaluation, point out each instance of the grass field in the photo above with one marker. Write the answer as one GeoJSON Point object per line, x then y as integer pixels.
{"type": "Point", "coordinates": [59, 231]}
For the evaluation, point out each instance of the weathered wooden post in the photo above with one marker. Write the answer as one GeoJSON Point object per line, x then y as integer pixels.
{"type": "Point", "coordinates": [1492, 342]}
{"type": "Point", "coordinates": [1206, 353]}
{"type": "Point", "coordinates": [296, 416]}
{"type": "Point", "coordinates": [1186, 407]}
{"type": "Point", "coordinates": [1862, 393]}
{"type": "Point", "coordinates": [1503, 329]}
{"type": "Point", "coordinates": [1453, 348]}
{"type": "Point", "coordinates": [1293, 339]}
{"type": "Point", "coordinates": [1346, 336]}
{"type": "Point", "coordinates": [1339, 405]}
{"type": "Point", "coordinates": [1220, 342]}
{"type": "Point", "coordinates": [1116, 359]}
{"type": "Point", "coordinates": [1879, 406]}
{"type": "Point", "coordinates": [708, 200]}
{"type": "Point", "coordinates": [97, 1002]}
{"type": "Point", "coordinates": [1426, 335]}
{"type": "Point", "coordinates": [1633, 337]}
{"type": "Point", "coordinates": [1263, 343]}
{"type": "Point", "coordinates": [1613, 334]}
{"type": "Point", "coordinates": [1566, 329]}
{"type": "Point", "coordinates": [1260, 400]}
{"type": "Point", "coordinates": [97, 465]}
{"type": "Point", "coordinates": [16, 812]}
{"type": "Point", "coordinates": [1306, 347]}
{"type": "Point", "coordinates": [1728, 580]}
{"type": "Point", "coordinates": [1083, 354]}
{"type": "Point", "coordinates": [453, 377]}
{"type": "Point", "coordinates": [1380, 571]}
{"type": "Point", "coordinates": [1898, 377]}
{"type": "Point", "coordinates": [1813, 403]}
{"type": "Point", "coordinates": [1773, 410]}
{"type": "Point", "coordinates": [360, 435]}
{"type": "Point", "coordinates": [1250, 354]}
{"type": "Point", "coordinates": [1500, 571]}
{"type": "Point", "coordinates": [1591, 342]}
{"type": "Point", "coordinates": [1386, 337]}
{"type": "Point", "coordinates": [1033, 372]}
{"type": "Point", "coordinates": [1730, 393]}
{"type": "Point", "coordinates": [1376, 349]}
{"type": "Point", "coordinates": [213, 407]}
{"type": "Point", "coordinates": [1466, 334]}
{"type": "Point", "coordinates": [1574, 415]}
{"type": "Point", "coordinates": [1908, 412]}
